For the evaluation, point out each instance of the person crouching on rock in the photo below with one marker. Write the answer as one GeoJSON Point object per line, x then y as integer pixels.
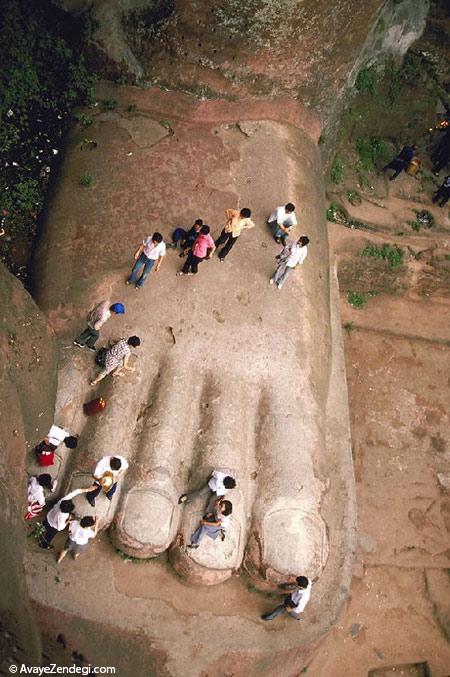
{"type": "Point", "coordinates": [45, 450]}
{"type": "Point", "coordinates": [219, 484]}
{"type": "Point", "coordinates": [295, 602]}
{"type": "Point", "coordinates": [117, 357]}
{"type": "Point", "coordinates": [80, 532]}
{"type": "Point", "coordinates": [213, 523]}
{"type": "Point", "coordinates": [105, 475]}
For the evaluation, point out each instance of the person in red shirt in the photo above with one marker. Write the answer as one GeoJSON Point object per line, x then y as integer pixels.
{"type": "Point", "coordinates": [202, 249]}
{"type": "Point", "coordinates": [45, 450]}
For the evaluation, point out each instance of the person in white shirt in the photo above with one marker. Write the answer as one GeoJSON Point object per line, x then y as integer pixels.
{"type": "Point", "coordinates": [37, 486]}
{"type": "Point", "coordinates": [218, 484]}
{"type": "Point", "coordinates": [80, 532]}
{"type": "Point", "coordinates": [294, 603]}
{"type": "Point", "coordinates": [111, 467]}
{"type": "Point", "coordinates": [213, 523]}
{"type": "Point", "coordinates": [292, 255]}
{"type": "Point", "coordinates": [151, 251]}
{"type": "Point", "coordinates": [58, 518]}
{"type": "Point", "coordinates": [281, 221]}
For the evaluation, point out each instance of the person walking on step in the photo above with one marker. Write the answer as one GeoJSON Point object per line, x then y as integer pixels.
{"type": "Point", "coordinates": [150, 253]}
{"type": "Point", "coordinates": [203, 248]}
{"type": "Point", "coordinates": [219, 484]}
{"type": "Point", "coordinates": [80, 533]}
{"type": "Point", "coordinates": [45, 450]}
{"type": "Point", "coordinates": [237, 221]}
{"type": "Point", "coordinates": [291, 256]}
{"type": "Point", "coordinates": [213, 523]}
{"type": "Point", "coordinates": [281, 222]}
{"type": "Point", "coordinates": [58, 518]}
{"type": "Point", "coordinates": [401, 162]}
{"type": "Point", "coordinates": [442, 194]}
{"type": "Point", "coordinates": [96, 318]}
{"type": "Point", "coordinates": [105, 476]}
{"type": "Point", "coordinates": [294, 603]}
{"type": "Point", "coordinates": [117, 357]}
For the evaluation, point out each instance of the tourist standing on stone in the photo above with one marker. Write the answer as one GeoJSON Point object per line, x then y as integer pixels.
{"type": "Point", "coordinates": [105, 476]}
{"type": "Point", "coordinates": [443, 192]}
{"type": "Point", "coordinates": [281, 221]}
{"type": "Point", "coordinates": [151, 252]}
{"type": "Point", "coordinates": [96, 318]}
{"type": "Point", "coordinates": [218, 484]}
{"type": "Point", "coordinates": [203, 248]}
{"type": "Point", "coordinates": [213, 523]}
{"type": "Point", "coordinates": [80, 532]}
{"type": "Point", "coordinates": [117, 357]}
{"type": "Point", "coordinates": [292, 255]}
{"type": "Point", "coordinates": [295, 602]}
{"type": "Point", "coordinates": [45, 450]}
{"type": "Point", "coordinates": [401, 162]}
{"type": "Point", "coordinates": [237, 221]}
{"type": "Point", "coordinates": [58, 518]}
{"type": "Point", "coordinates": [36, 494]}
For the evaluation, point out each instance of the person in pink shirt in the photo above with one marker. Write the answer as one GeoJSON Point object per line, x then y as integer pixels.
{"type": "Point", "coordinates": [202, 249]}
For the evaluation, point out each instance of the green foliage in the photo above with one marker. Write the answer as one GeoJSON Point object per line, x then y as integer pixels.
{"type": "Point", "coordinates": [373, 152]}
{"type": "Point", "coordinates": [336, 213]}
{"type": "Point", "coordinates": [424, 218]}
{"type": "Point", "coordinates": [134, 560]}
{"type": "Point", "coordinates": [43, 76]}
{"type": "Point", "coordinates": [322, 140]}
{"type": "Point", "coordinates": [356, 299]}
{"type": "Point", "coordinates": [390, 253]}
{"type": "Point", "coordinates": [337, 170]}
{"type": "Point", "coordinates": [359, 299]}
{"type": "Point", "coordinates": [349, 327]}
{"type": "Point", "coordinates": [354, 197]}
{"type": "Point", "coordinates": [109, 104]}
{"type": "Point", "coordinates": [366, 80]}
{"type": "Point", "coordinates": [37, 531]}
{"type": "Point", "coordinates": [83, 119]}
{"type": "Point", "coordinates": [132, 108]}
{"type": "Point", "coordinates": [87, 180]}
{"type": "Point", "coordinates": [167, 125]}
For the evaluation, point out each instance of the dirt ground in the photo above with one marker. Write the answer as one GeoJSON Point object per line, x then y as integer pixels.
{"type": "Point", "coordinates": [397, 355]}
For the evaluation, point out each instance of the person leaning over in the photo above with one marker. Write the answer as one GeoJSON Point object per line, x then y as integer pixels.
{"type": "Point", "coordinates": [96, 319]}
{"type": "Point", "coordinates": [117, 357]}
{"type": "Point", "coordinates": [151, 252]}
{"type": "Point", "coordinates": [294, 603]}
{"type": "Point", "coordinates": [58, 518]}
{"type": "Point", "coordinates": [37, 489]}
{"type": "Point", "coordinates": [237, 221]}
{"type": "Point", "coordinates": [281, 221]}
{"type": "Point", "coordinates": [45, 450]}
{"type": "Point", "coordinates": [109, 468]}
{"type": "Point", "coordinates": [80, 532]}
{"type": "Point", "coordinates": [219, 484]}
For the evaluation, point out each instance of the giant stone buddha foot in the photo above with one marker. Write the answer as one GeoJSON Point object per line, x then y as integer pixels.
{"type": "Point", "coordinates": [232, 374]}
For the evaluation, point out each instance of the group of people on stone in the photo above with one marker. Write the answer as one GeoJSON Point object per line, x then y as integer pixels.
{"type": "Point", "coordinates": [198, 245]}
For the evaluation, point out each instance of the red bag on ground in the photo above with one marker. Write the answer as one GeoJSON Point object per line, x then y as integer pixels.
{"type": "Point", "coordinates": [94, 406]}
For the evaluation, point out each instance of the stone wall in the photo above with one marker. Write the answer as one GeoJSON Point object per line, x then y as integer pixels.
{"type": "Point", "coordinates": [27, 394]}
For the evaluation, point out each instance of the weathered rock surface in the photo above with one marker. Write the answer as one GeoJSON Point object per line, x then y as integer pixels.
{"type": "Point", "coordinates": [27, 390]}
{"type": "Point", "coordinates": [248, 378]}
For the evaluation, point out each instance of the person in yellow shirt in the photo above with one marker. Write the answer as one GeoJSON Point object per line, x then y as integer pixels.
{"type": "Point", "coordinates": [237, 221]}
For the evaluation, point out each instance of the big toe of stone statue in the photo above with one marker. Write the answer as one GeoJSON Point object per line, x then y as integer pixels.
{"type": "Point", "coordinates": [231, 374]}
